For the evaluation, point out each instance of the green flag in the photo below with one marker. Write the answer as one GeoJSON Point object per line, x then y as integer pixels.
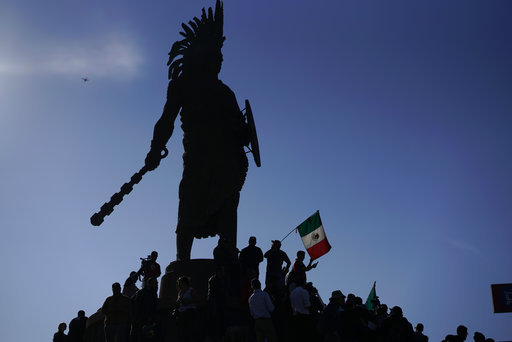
{"type": "Point", "coordinates": [370, 304]}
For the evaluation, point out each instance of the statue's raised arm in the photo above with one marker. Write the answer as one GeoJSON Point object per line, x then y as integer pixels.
{"type": "Point", "coordinates": [164, 127]}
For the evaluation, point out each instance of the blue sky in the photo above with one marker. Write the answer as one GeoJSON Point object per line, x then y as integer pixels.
{"type": "Point", "coordinates": [392, 118]}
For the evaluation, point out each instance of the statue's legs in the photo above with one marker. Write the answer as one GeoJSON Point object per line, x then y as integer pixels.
{"type": "Point", "coordinates": [227, 219]}
{"type": "Point", "coordinates": [225, 222]}
{"type": "Point", "coordinates": [184, 240]}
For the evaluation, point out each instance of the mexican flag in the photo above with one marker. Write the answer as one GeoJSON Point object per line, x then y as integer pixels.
{"type": "Point", "coordinates": [370, 304]}
{"type": "Point", "coordinates": [313, 236]}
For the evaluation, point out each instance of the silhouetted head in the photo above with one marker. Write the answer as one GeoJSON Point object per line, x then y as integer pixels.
{"type": "Point", "coordinates": [489, 340]}
{"type": "Point", "coordinates": [478, 337]}
{"type": "Point", "coordinates": [81, 313]}
{"type": "Point", "coordinates": [116, 288]}
{"type": "Point", "coordinates": [301, 255]}
{"type": "Point", "coordinates": [183, 283]}
{"type": "Point", "coordinates": [396, 311]}
{"type": "Point", "coordinates": [154, 255]}
{"type": "Point", "coordinates": [462, 332]}
{"type": "Point", "coordinates": [62, 327]}
{"type": "Point", "coordinates": [351, 298]}
{"type": "Point", "coordinates": [382, 310]}
{"type": "Point", "coordinates": [199, 54]}
{"type": "Point", "coordinates": [252, 241]}
{"type": "Point", "coordinates": [338, 297]}
{"type": "Point", "coordinates": [255, 284]}
{"type": "Point", "coordinates": [419, 327]}
{"type": "Point", "coordinates": [276, 244]}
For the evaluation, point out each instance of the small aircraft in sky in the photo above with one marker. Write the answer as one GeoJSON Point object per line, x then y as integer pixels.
{"type": "Point", "coordinates": [85, 79]}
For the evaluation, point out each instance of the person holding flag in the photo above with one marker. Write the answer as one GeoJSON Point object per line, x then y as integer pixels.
{"type": "Point", "coordinates": [298, 272]}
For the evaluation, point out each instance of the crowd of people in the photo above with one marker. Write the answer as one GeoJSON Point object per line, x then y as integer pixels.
{"type": "Point", "coordinates": [236, 308]}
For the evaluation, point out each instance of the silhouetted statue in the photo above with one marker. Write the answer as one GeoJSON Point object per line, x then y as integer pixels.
{"type": "Point", "coordinates": [215, 133]}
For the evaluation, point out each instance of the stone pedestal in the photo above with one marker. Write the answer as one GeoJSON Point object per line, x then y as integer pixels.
{"type": "Point", "coordinates": [199, 270]}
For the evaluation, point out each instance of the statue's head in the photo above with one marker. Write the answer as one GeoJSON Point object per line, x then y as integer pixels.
{"type": "Point", "coordinates": [199, 54]}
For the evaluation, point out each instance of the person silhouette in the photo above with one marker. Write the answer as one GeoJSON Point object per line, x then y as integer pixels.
{"type": "Point", "coordinates": [251, 257]}
{"type": "Point", "coordinates": [117, 310]}
{"type": "Point", "coordinates": [77, 327]}
{"type": "Point", "coordinates": [214, 134]}
{"type": "Point", "coordinates": [60, 336]}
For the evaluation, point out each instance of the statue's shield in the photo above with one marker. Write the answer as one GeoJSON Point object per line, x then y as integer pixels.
{"type": "Point", "coordinates": [253, 136]}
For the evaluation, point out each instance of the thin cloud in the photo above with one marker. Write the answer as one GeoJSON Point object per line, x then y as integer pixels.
{"type": "Point", "coordinates": [464, 246]}
{"type": "Point", "coordinates": [114, 55]}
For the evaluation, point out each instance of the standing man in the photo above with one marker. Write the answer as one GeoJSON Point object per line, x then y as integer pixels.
{"type": "Point", "coordinates": [331, 317]}
{"type": "Point", "coordinates": [250, 257]}
{"type": "Point", "coordinates": [150, 268]}
{"type": "Point", "coordinates": [300, 302]}
{"type": "Point", "coordinates": [261, 306]}
{"type": "Point", "coordinates": [117, 311]}
{"type": "Point", "coordinates": [214, 134]}
{"type": "Point", "coordinates": [77, 327]}
{"type": "Point", "coordinates": [275, 270]}
{"type": "Point", "coordinates": [145, 320]}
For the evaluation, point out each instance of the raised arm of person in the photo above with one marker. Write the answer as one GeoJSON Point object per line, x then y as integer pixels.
{"type": "Point", "coordinates": [310, 265]}
{"type": "Point", "coordinates": [164, 127]}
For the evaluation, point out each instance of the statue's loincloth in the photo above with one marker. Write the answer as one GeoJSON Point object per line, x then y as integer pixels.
{"type": "Point", "coordinates": [210, 180]}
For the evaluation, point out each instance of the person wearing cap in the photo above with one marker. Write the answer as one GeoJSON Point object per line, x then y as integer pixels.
{"type": "Point", "coordinates": [275, 270]}
{"type": "Point", "coordinates": [260, 307]}
{"type": "Point", "coordinates": [331, 317]}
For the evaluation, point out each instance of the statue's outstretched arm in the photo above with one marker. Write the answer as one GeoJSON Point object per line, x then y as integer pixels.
{"type": "Point", "coordinates": [163, 130]}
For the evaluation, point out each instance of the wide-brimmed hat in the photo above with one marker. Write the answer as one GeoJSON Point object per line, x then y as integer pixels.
{"type": "Point", "coordinates": [337, 294]}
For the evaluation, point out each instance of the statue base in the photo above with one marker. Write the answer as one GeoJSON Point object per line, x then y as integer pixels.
{"type": "Point", "coordinates": [199, 270]}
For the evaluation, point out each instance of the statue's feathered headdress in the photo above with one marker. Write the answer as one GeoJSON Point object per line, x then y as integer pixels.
{"type": "Point", "coordinates": [201, 36]}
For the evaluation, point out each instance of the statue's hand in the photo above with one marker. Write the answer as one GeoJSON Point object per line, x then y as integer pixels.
{"type": "Point", "coordinates": [153, 159]}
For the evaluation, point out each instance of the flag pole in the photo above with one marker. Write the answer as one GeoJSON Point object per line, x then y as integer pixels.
{"type": "Point", "coordinates": [288, 234]}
